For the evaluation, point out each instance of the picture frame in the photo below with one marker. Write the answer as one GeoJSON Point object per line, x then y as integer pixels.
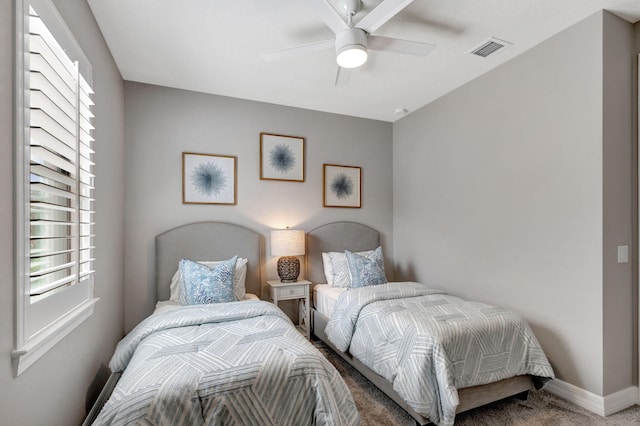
{"type": "Point", "coordinates": [209, 179]}
{"type": "Point", "coordinates": [281, 157]}
{"type": "Point", "coordinates": [341, 186]}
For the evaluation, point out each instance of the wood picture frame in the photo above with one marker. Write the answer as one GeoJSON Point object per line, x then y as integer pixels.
{"type": "Point", "coordinates": [209, 179]}
{"type": "Point", "coordinates": [281, 157]}
{"type": "Point", "coordinates": [341, 186]}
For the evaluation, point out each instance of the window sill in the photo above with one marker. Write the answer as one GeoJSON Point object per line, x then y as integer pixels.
{"type": "Point", "coordinates": [23, 357]}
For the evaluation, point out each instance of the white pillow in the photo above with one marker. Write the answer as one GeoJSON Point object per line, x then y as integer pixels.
{"type": "Point", "coordinates": [336, 269]}
{"type": "Point", "coordinates": [238, 283]}
{"type": "Point", "coordinates": [328, 268]}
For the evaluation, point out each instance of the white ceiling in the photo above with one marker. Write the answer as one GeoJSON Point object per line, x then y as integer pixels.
{"type": "Point", "coordinates": [214, 46]}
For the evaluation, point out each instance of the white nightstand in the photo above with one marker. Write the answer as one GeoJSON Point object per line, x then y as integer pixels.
{"type": "Point", "coordinates": [296, 290]}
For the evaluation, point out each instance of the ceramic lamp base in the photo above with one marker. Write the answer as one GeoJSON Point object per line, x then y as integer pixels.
{"type": "Point", "coordinates": [288, 269]}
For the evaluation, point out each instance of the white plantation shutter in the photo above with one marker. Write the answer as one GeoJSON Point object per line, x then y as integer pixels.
{"type": "Point", "coordinates": [56, 158]}
{"type": "Point", "coordinates": [61, 212]}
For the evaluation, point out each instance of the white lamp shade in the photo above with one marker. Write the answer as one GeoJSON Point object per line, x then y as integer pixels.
{"type": "Point", "coordinates": [287, 242]}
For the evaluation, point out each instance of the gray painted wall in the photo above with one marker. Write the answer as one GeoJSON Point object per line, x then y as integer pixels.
{"type": "Point", "coordinates": [515, 190]}
{"type": "Point", "coordinates": [618, 204]}
{"type": "Point", "coordinates": [162, 123]}
{"type": "Point", "coordinates": [63, 379]}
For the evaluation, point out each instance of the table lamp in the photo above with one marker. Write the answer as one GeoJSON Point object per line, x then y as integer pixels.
{"type": "Point", "coordinates": [287, 243]}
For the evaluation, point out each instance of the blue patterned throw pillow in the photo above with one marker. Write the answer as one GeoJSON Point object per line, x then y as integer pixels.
{"type": "Point", "coordinates": [366, 270]}
{"type": "Point", "coordinates": [203, 284]}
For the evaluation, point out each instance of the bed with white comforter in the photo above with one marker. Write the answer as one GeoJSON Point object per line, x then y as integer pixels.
{"type": "Point", "coordinates": [207, 355]}
{"type": "Point", "coordinates": [429, 344]}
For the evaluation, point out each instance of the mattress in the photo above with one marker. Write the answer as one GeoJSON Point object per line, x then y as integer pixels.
{"type": "Point", "coordinates": [325, 298]}
{"type": "Point", "coordinates": [167, 305]}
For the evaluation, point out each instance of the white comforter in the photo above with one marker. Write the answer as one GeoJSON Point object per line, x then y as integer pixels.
{"type": "Point", "coordinates": [238, 363]}
{"type": "Point", "coordinates": [428, 344]}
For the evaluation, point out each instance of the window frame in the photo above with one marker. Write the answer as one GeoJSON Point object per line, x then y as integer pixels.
{"type": "Point", "coordinates": [39, 326]}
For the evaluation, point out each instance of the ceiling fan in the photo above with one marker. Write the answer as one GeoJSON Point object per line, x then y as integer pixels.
{"type": "Point", "coordinates": [353, 40]}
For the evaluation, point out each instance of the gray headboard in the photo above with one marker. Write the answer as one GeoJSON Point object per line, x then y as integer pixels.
{"type": "Point", "coordinates": [207, 241]}
{"type": "Point", "coordinates": [337, 236]}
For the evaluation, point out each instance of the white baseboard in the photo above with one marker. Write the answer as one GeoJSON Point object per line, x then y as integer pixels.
{"type": "Point", "coordinates": [620, 400]}
{"type": "Point", "coordinates": [603, 406]}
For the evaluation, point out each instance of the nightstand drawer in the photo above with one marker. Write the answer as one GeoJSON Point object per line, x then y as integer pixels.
{"type": "Point", "coordinates": [293, 292]}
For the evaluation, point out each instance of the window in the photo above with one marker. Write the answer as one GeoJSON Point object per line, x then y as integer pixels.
{"type": "Point", "coordinates": [55, 183]}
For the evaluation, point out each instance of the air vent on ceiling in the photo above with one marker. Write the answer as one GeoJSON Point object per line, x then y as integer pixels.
{"type": "Point", "coordinates": [489, 47]}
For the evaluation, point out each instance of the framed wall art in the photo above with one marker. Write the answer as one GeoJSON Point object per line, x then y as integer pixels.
{"type": "Point", "coordinates": [281, 157]}
{"type": "Point", "coordinates": [341, 186]}
{"type": "Point", "coordinates": [208, 178]}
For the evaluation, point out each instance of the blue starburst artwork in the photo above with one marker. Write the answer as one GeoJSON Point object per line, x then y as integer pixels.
{"type": "Point", "coordinates": [208, 179]}
{"type": "Point", "coordinates": [281, 158]}
{"type": "Point", "coordinates": [341, 186]}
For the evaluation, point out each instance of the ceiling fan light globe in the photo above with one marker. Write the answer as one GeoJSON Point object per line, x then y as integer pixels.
{"type": "Point", "coordinates": [352, 56]}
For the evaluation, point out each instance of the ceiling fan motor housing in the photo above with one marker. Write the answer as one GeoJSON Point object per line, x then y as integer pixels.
{"type": "Point", "coordinates": [351, 48]}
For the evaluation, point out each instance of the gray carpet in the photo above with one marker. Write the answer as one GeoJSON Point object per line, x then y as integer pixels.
{"type": "Point", "coordinates": [540, 409]}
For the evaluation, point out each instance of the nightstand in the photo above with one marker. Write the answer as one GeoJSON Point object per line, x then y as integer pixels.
{"type": "Point", "coordinates": [295, 290]}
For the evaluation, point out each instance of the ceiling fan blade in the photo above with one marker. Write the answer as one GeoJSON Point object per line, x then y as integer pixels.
{"type": "Point", "coordinates": [289, 52]}
{"type": "Point", "coordinates": [381, 14]}
{"type": "Point", "coordinates": [399, 46]}
{"type": "Point", "coordinates": [330, 16]}
{"type": "Point", "coordinates": [342, 76]}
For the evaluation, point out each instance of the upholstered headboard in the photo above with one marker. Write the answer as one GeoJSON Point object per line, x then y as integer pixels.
{"type": "Point", "coordinates": [207, 241]}
{"type": "Point", "coordinates": [337, 236]}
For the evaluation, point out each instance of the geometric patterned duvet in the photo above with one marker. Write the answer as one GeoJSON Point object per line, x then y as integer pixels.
{"type": "Point", "coordinates": [428, 344]}
{"type": "Point", "coordinates": [239, 363]}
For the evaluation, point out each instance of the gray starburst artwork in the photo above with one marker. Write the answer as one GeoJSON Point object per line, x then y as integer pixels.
{"type": "Point", "coordinates": [208, 179]}
{"type": "Point", "coordinates": [341, 186]}
{"type": "Point", "coordinates": [281, 158]}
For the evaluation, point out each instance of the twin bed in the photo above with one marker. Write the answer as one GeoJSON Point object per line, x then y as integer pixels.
{"type": "Point", "coordinates": [243, 362]}
{"type": "Point", "coordinates": [433, 354]}
{"type": "Point", "coordinates": [240, 362]}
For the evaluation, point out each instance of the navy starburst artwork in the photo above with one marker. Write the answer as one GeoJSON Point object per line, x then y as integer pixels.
{"type": "Point", "coordinates": [341, 186]}
{"type": "Point", "coordinates": [281, 158]}
{"type": "Point", "coordinates": [208, 179]}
